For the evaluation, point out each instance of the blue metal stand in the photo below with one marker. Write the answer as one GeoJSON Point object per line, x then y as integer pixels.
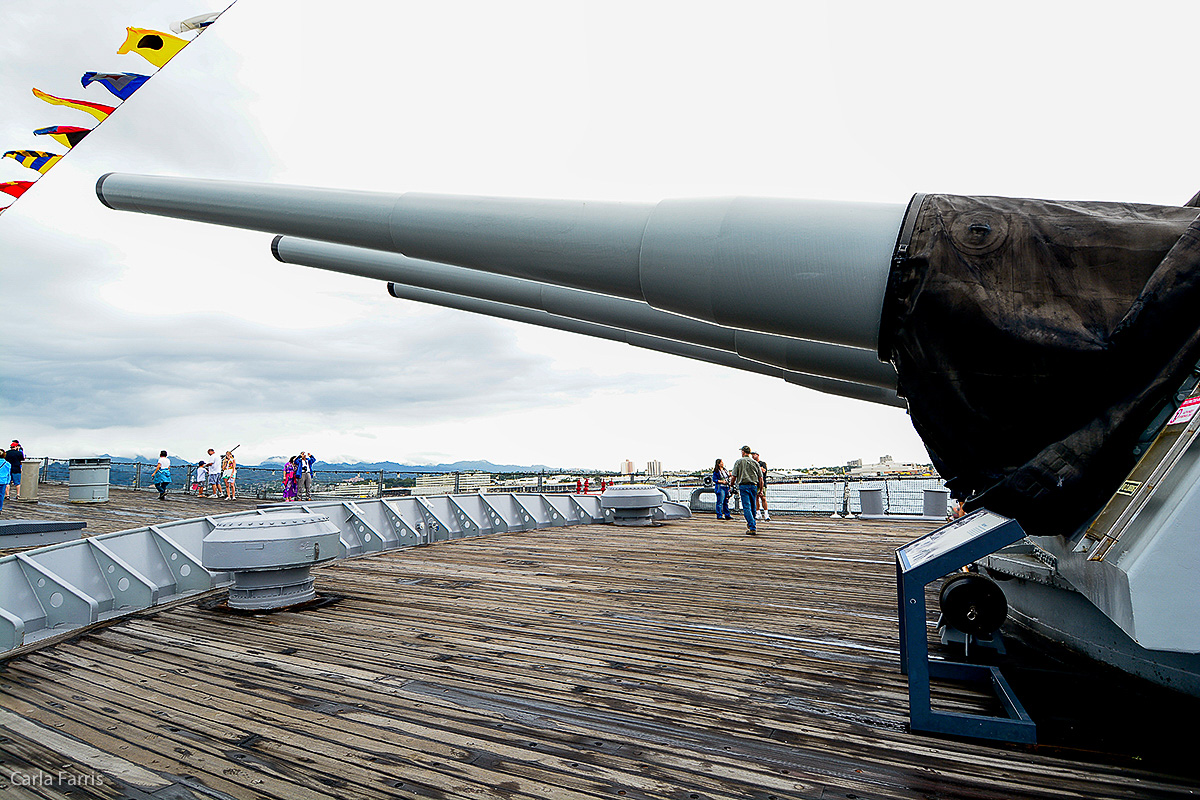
{"type": "Point", "coordinates": [919, 563]}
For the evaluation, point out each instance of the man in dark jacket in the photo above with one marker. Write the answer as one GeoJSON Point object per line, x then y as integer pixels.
{"type": "Point", "coordinates": [304, 479]}
{"type": "Point", "coordinates": [14, 456]}
{"type": "Point", "coordinates": [746, 476]}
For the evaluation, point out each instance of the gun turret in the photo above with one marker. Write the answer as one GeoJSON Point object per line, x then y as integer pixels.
{"type": "Point", "coordinates": [1036, 342]}
{"type": "Point", "coordinates": [1042, 347]}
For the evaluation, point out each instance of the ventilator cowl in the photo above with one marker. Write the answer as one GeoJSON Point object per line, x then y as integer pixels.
{"type": "Point", "coordinates": [270, 557]}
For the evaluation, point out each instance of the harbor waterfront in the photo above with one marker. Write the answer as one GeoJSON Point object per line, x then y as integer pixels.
{"type": "Point", "coordinates": [824, 494]}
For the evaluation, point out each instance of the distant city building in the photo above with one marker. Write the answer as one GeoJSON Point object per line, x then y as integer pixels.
{"type": "Point", "coordinates": [887, 466]}
{"type": "Point", "coordinates": [626, 467]}
{"type": "Point", "coordinates": [446, 483]}
{"type": "Point", "coordinates": [855, 463]}
{"type": "Point", "coordinates": [654, 469]}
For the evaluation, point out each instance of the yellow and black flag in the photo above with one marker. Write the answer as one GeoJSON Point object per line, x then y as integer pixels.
{"type": "Point", "coordinates": [155, 46]}
{"type": "Point", "coordinates": [66, 135]}
{"type": "Point", "coordinates": [34, 159]}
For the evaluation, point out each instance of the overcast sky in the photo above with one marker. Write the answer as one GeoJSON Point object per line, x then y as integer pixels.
{"type": "Point", "coordinates": [127, 334]}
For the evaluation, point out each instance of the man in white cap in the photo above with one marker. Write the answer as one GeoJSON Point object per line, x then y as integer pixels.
{"type": "Point", "coordinates": [14, 456]}
{"type": "Point", "coordinates": [746, 476]}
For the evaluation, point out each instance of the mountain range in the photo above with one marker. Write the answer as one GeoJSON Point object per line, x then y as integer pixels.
{"type": "Point", "coordinates": [275, 462]}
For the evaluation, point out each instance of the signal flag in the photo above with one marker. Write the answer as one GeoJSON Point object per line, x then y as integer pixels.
{"type": "Point", "coordinates": [66, 135]}
{"type": "Point", "coordinates": [155, 46]}
{"type": "Point", "coordinates": [34, 159]}
{"type": "Point", "coordinates": [121, 84]}
{"type": "Point", "coordinates": [97, 110]}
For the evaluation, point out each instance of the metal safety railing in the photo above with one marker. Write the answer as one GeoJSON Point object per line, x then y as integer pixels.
{"type": "Point", "coordinates": [266, 483]}
{"type": "Point", "coordinates": [901, 495]}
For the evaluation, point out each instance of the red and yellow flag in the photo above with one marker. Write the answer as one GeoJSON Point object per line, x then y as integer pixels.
{"type": "Point", "coordinates": [97, 110]}
{"type": "Point", "coordinates": [155, 46]}
{"type": "Point", "coordinates": [15, 188]}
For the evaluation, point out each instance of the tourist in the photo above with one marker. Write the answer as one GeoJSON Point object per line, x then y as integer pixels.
{"type": "Point", "coordinates": [304, 480]}
{"type": "Point", "coordinates": [229, 474]}
{"type": "Point", "coordinates": [161, 477]}
{"type": "Point", "coordinates": [762, 514]}
{"type": "Point", "coordinates": [721, 486]}
{"type": "Point", "coordinates": [5, 476]}
{"type": "Point", "coordinates": [746, 476]}
{"type": "Point", "coordinates": [214, 474]}
{"type": "Point", "coordinates": [201, 478]}
{"type": "Point", "coordinates": [289, 479]}
{"type": "Point", "coordinates": [14, 456]}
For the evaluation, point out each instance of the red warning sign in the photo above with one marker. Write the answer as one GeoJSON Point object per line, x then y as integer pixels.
{"type": "Point", "coordinates": [1185, 412]}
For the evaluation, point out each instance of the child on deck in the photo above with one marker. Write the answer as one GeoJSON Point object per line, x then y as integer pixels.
{"type": "Point", "coordinates": [201, 478]}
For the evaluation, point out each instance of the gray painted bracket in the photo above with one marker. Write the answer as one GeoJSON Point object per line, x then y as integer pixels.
{"type": "Point", "coordinates": [372, 541]}
{"type": "Point", "coordinates": [12, 630]}
{"type": "Point", "coordinates": [130, 588]}
{"type": "Point", "coordinates": [62, 603]}
{"type": "Point", "coordinates": [138, 547]}
{"type": "Point", "coordinates": [570, 511]}
{"type": "Point", "coordinates": [536, 508]}
{"type": "Point", "coordinates": [379, 521]}
{"type": "Point", "coordinates": [439, 519]}
{"type": "Point", "coordinates": [190, 574]}
{"type": "Point", "coordinates": [589, 507]}
{"type": "Point", "coordinates": [19, 602]}
{"type": "Point", "coordinates": [514, 515]}
{"type": "Point", "coordinates": [406, 519]}
{"type": "Point", "coordinates": [472, 518]}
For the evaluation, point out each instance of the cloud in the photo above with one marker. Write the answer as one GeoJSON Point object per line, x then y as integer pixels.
{"type": "Point", "coordinates": [119, 329]}
{"type": "Point", "coordinates": [90, 363]}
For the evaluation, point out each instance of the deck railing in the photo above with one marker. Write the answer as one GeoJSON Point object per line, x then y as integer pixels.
{"type": "Point", "coordinates": [903, 494]}
{"type": "Point", "coordinates": [266, 483]}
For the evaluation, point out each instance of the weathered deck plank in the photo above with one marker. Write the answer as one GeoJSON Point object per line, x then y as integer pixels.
{"type": "Point", "coordinates": [688, 661]}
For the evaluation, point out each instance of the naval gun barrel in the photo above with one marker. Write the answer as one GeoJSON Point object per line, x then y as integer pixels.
{"type": "Point", "coordinates": [802, 268]}
{"type": "Point", "coordinates": [794, 355]}
{"type": "Point", "coordinates": [855, 391]}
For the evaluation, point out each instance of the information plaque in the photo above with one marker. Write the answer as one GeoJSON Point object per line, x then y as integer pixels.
{"type": "Point", "coordinates": [954, 537]}
{"type": "Point", "coordinates": [919, 563]}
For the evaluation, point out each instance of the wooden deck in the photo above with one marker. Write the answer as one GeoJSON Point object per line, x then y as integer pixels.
{"type": "Point", "coordinates": [686, 661]}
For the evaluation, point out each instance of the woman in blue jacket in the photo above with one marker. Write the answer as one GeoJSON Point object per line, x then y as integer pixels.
{"type": "Point", "coordinates": [162, 475]}
{"type": "Point", "coordinates": [720, 478]}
